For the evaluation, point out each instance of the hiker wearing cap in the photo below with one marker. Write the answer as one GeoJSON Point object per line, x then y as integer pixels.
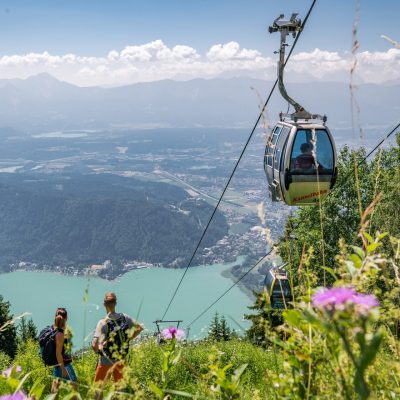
{"type": "Point", "coordinates": [111, 340]}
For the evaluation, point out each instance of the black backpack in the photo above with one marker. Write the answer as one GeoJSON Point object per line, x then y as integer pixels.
{"type": "Point", "coordinates": [47, 343]}
{"type": "Point", "coordinates": [117, 344]}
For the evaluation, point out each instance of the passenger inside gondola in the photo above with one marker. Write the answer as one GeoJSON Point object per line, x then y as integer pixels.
{"type": "Point", "coordinates": [305, 160]}
{"type": "Point", "coordinates": [303, 155]}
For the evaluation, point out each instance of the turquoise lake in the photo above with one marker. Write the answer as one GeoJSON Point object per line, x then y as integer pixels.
{"type": "Point", "coordinates": [143, 294]}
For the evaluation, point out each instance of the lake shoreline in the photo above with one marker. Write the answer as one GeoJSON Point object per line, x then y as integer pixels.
{"type": "Point", "coordinates": [248, 292]}
{"type": "Point", "coordinates": [143, 294]}
{"type": "Point", "coordinates": [90, 274]}
{"type": "Point", "coordinates": [227, 273]}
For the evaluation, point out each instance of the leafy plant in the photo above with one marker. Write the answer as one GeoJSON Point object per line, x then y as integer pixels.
{"type": "Point", "coordinates": [223, 383]}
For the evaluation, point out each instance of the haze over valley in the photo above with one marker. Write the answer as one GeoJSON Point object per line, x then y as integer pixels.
{"type": "Point", "coordinates": [106, 180]}
{"type": "Point", "coordinates": [41, 103]}
{"type": "Point", "coordinates": [105, 203]}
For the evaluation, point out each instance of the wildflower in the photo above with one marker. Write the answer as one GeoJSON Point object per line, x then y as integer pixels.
{"type": "Point", "coordinates": [16, 396]}
{"type": "Point", "coordinates": [366, 300]}
{"type": "Point", "coordinates": [173, 333]}
{"type": "Point", "coordinates": [334, 298]}
{"type": "Point", "coordinates": [338, 298]}
{"type": "Point", "coordinates": [7, 373]}
{"type": "Point", "coordinates": [364, 303]}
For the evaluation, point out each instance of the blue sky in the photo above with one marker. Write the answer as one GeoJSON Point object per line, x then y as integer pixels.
{"type": "Point", "coordinates": [94, 28]}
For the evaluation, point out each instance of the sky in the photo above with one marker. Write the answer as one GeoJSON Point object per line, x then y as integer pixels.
{"type": "Point", "coordinates": [95, 42]}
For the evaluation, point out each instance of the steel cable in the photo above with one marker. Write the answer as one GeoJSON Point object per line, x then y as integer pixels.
{"type": "Point", "coordinates": [237, 164]}
{"type": "Point", "coordinates": [270, 251]}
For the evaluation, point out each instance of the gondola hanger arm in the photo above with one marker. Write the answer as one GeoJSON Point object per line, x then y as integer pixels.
{"type": "Point", "coordinates": [286, 27]}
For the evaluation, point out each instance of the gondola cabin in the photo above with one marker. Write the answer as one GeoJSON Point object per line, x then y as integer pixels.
{"type": "Point", "coordinates": [300, 162]}
{"type": "Point", "coordinates": [278, 289]}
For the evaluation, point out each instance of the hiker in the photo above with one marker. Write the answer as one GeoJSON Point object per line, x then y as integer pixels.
{"type": "Point", "coordinates": [53, 343]}
{"type": "Point", "coordinates": [64, 368]}
{"type": "Point", "coordinates": [111, 340]}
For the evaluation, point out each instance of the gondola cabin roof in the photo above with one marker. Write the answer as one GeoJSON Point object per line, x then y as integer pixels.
{"type": "Point", "coordinates": [301, 123]}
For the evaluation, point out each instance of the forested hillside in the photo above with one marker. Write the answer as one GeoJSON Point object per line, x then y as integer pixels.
{"type": "Point", "coordinates": [90, 219]}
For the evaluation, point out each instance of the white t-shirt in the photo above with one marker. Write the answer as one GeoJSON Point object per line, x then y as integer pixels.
{"type": "Point", "coordinates": [101, 332]}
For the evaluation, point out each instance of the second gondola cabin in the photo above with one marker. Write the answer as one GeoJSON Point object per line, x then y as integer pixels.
{"type": "Point", "coordinates": [300, 162]}
{"type": "Point", "coordinates": [278, 289]}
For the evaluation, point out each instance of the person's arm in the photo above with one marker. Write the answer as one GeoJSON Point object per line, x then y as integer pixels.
{"type": "Point", "coordinates": [96, 338]}
{"type": "Point", "coordinates": [95, 344]}
{"type": "Point", "coordinates": [135, 327]}
{"type": "Point", "coordinates": [59, 347]}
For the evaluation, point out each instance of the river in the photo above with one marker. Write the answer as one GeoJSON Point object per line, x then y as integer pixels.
{"type": "Point", "coordinates": [143, 294]}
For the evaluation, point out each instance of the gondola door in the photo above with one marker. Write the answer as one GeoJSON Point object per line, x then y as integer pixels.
{"type": "Point", "coordinates": [269, 161]}
{"type": "Point", "coordinates": [279, 151]}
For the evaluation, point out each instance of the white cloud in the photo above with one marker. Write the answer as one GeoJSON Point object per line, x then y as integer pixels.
{"type": "Point", "coordinates": [372, 67]}
{"type": "Point", "coordinates": [154, 51]}
{"type": "Point", "coordinates": [155, 60]}
{"type": "Point", "coordinates": [231, 51]}
{"type": "Point", "coordinates": [318, 63]}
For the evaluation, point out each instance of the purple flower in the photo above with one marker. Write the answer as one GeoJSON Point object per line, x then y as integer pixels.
{"type": "Point", "coordinates": [338, 298]}
{"type": "Point", "coordinates": [16, 396]}
{"type": "Point", "coordinates": [7, 373]}
{"type": "Point", "coordinates": [364, 303]}
{"type": "Point", "coordinates": [172, 332]}
{"type": "Point", "coordinates": [332, 298]}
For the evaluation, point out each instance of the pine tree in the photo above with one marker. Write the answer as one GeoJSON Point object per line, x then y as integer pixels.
{"type": "Point", "coordinates": [263, 321]}
{"type": "Point", "coordinates": [219, 329]}
{"type": "Point", "coordinates": [32, 332]}
{"type": "Point", "coordinates": [8, 333]}
{"type": "Point", "coordinates": [225, 331]}
{"type": "Point", "coordinates": [26, 330]}
{"type": "Point", "coordinates": [215, 329]}
{"type": "Point", "coordinates": [21, 330]}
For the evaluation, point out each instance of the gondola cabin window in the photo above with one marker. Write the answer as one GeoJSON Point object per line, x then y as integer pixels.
{"type": "Point", "coordinates": [282, 287]}
{"type": "Point", "coordinates": [279, 146]}
{"type": "Point", "coordinates": [271, 147]}
{"type": "Point", "coordinates": [311, 152]}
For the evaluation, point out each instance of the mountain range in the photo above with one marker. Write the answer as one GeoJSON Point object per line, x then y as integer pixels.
{"type": "Point", "coordinates": [43, 103]}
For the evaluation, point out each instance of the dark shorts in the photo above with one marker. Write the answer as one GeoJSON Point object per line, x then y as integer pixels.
{"type": "Point", "coordinates": [57, 373]}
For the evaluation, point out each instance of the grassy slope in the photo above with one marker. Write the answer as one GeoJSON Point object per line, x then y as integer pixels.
{"type": "Point", "coordinates": [146, 360]}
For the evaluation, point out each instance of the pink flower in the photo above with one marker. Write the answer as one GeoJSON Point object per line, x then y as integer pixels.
{"type": "Point", "coordinates": [367, 300]}
{"type": "Point", "coordinates": [338, 298]}
{"type": "Point", "coordinates": [332, 298]}
{"type": "Point", "coordinates": [7, 373]}
{"type": "Point", "coordinates": [16, 396]}
{"type": "Point", "coordinates": [172, 332]}
{"type": "Point", "coordinates": [364, 303]}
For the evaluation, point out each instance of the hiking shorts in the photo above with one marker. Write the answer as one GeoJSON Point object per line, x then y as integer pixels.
{"type": "Point", "coordinates": [103, 372]}
{"type": "Point", "coordinates": [57, 373]}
